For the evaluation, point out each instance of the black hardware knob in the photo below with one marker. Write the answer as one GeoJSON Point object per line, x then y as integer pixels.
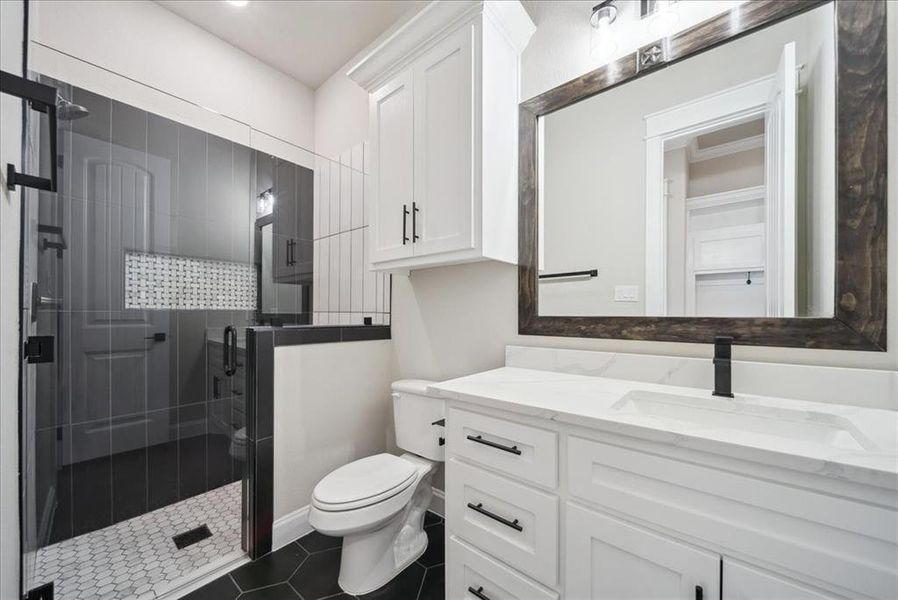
{"type": "Point", "coordinates": [156, 337]}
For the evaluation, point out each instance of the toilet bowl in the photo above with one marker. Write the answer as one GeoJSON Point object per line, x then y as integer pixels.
{"type": "Point", "coordinates": [377, 503]}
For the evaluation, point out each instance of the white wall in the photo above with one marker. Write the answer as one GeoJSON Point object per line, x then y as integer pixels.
{"type": "Point", "coordinates": [146, 43]}
{"type": "Point", "coordinates": [11, 25]}
{"type": "Point", "coordinates": [326, 417]}
{"type": "Point", "coordinates": [452, 321]}
{"type": "Point", "coordinates": [341, 115]}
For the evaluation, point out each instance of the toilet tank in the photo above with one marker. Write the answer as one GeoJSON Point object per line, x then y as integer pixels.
{"type": "Point", "coordinates": [414, 415]}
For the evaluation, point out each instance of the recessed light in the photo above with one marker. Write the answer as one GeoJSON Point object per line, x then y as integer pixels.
{"type": "Point", "coordinates": [239, 3]}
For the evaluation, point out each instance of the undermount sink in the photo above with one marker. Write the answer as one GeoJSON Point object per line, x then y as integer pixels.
{"type": "Point", "coordinates": [803, 426]}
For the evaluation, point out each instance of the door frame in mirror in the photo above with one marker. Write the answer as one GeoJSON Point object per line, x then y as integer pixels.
{"type": "Point", "coordinates": [861, 263]}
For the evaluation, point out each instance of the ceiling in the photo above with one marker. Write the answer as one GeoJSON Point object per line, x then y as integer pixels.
{"type": "Point", "coordinates": [308, 40]}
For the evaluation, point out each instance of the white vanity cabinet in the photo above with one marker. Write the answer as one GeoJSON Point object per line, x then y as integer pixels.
{"type": "Point", "coordinates": [443, 135]}
{"type": "Point", "coordinates": [535, 503]}
{"type": "Point", "coordinates": [609, 558]}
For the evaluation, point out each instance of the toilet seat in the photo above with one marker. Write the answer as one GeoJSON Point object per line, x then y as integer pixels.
{"type": "Point", "coordinates": [364, 482]}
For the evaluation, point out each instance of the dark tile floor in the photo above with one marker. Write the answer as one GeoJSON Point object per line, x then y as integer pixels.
{"type": "Point", "coordinates": [307, 569]}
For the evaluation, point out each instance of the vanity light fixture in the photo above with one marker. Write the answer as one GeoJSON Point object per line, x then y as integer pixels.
{"type": "Point", "coordinates": [603, 43]}
{"type": "Point", "coordinates": [265, 203]}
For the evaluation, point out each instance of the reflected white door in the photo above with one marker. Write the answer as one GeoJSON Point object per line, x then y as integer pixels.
{"type": "Point", "coordinates": [781, 131]}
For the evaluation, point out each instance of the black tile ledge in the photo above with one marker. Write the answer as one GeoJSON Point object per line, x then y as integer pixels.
{"type": "Point", "coordinates": [295, 335]}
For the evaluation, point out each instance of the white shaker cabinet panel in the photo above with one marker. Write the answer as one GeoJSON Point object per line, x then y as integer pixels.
{"type": "Point", "coordinates": [609, 558]}
{"type": "Point", "coordinates": [474, 574]}
{"type": "Point", "coordinates": [443, 203]}
{"type": "Point", "coordinates": [505, 518]}
{"type": "Point", "coordinates": [392, 130]}
{"type": "Point", "coordinates": [742, 582]}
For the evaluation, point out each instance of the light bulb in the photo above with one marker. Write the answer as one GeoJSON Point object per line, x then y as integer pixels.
{"type": "Point", "coordinates": [603, 42]}
{"type": "Point", "coordinates": [238, 3]}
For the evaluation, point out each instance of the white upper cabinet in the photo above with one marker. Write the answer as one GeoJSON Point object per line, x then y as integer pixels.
{"type": "Point", "coordinates": [443, 127]}
{"type": "Point", "coordinates": [393, 153]}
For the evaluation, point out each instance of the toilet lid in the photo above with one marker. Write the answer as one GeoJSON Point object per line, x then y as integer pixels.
{"type": "Point", "coordinates": [367, 478]}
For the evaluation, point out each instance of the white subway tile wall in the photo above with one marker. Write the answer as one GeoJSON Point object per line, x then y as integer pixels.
{"type": "Point", "coordinates": [162, 282]}
{"type": "Point", "coordinates": [345, 291]}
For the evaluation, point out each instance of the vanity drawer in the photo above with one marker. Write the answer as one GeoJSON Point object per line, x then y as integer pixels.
{"type": "Point", "coordinates": [520, 450]}
{"type": "Point", "coordinates": [505, 518]}
{"type": "Point", "coordinates": [470, 569]}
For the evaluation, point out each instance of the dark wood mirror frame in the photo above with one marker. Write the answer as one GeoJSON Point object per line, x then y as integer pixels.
{"type": "Point", "coordinates": [861, 262]}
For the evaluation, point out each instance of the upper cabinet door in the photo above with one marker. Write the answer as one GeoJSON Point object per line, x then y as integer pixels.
{"type": "Point", "coordinates": [392, 142]}
{"type": "Point", "coordinates": [609, 558]}
{"type": "Point", "coordinates": [741, 582]}
{"type": "Point", "coordinates": [444, 196]}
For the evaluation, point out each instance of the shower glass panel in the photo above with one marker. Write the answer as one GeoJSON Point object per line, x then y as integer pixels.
{"type": "Point", "coordinates": [135, 432]}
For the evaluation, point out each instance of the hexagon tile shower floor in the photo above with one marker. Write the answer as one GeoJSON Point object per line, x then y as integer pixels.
{"type": "Point", "coordinates": [137, 559]}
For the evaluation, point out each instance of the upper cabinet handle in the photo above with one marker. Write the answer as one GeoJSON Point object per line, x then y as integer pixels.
{"type": "Point", "coordinates": [479, 439]}
{"type": "Point", "coordinates": [699, 593]}
{"type": "Point", "coordinates": [404, 219]}
{"type": "Point", "coordinates": [415, 235]}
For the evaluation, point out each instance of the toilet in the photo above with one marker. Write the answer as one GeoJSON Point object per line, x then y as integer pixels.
{"type": "Point", "coordinates": [377, 503]}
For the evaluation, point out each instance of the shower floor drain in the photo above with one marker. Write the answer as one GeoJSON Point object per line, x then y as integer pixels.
{"type": "Point", "coordinates": [188, 538]}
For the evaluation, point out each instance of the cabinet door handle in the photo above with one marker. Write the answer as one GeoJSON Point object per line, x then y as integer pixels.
{"type": "Point", "coordinates": [404, 221]}
{"type": "Point", "coordinates": [699, 592]}
{"type": "Point", "coordinates": [479, 439]}
{"type": "Point", "coordinates": [415, 209]}
{"type": "Point", "coordinates": [479, 508]}
{"type": "Point", "coordinates": [478, 593]}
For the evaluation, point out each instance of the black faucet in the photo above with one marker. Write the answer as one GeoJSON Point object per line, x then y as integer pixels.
{"type": "Point", "coordinates": [723, 367]}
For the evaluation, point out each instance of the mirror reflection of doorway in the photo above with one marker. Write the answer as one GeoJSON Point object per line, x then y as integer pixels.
{"type": "Point", "coordinates": [721, 231]}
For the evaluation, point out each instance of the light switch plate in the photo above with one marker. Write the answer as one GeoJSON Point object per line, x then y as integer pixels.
{"type": "Point", "coordinates": [626, 293]}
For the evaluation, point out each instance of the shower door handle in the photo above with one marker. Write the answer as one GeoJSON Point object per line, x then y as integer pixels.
{"type": "Point", "coordinates": [41, 98]}
{"type": "Point", "coordinates": [229, 360]}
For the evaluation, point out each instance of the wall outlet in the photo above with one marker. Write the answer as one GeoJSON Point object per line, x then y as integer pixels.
{"type": "Point", "coordinates": [626, 293]}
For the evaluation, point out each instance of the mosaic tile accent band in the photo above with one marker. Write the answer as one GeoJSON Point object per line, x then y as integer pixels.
{"type": "Point", "coordinates": [162, 281]}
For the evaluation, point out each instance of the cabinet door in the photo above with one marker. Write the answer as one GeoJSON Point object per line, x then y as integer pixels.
{"type": "Point", "coordinates": [608, 558]}
{"type": "Point", "coordinates": [392, 169]}
{"type": "Point", "coordinates": [741, 582]}
{"type": "Point", "coordinates": [444, 199]}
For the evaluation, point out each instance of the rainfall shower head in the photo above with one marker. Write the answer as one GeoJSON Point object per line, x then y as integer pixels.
{"type": "Point", "coordinates": [69, 111]}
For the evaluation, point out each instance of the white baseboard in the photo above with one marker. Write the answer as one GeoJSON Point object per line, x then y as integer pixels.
{"type": "Point", "coordinates": [290, 527]}
{"type": "Point", "coordinates": [438, 502]}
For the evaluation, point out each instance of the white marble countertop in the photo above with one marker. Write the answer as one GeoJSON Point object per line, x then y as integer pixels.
{"type": "Point", "coordinates": [854, 443]}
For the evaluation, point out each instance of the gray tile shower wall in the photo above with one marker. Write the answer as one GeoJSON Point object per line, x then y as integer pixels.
{"type": "Point", "coordinates": [130, 416]}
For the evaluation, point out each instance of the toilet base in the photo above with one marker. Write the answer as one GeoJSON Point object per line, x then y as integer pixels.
{"type": "Point", "coordinates": [371, 559]}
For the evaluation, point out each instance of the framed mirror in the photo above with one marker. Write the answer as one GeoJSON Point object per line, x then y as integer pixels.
{"type": "Point", "coordinates": [727, 180]}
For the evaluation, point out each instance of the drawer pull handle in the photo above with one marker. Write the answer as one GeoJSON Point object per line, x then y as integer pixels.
{"type": "Point", "coordinates": [478, 592]}
{"type": "Point", "coordinates": [480, 440]}
{"type": "Point", "coordinates": [479, 508]}
{"type": "Point", "coordinates": [699, 592]}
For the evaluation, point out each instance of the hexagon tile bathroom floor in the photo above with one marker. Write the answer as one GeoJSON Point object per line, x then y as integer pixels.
{"type": "Point", "coordinates": [137, 559]}
{"type": "Point", "coordinates": [307, 569]}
